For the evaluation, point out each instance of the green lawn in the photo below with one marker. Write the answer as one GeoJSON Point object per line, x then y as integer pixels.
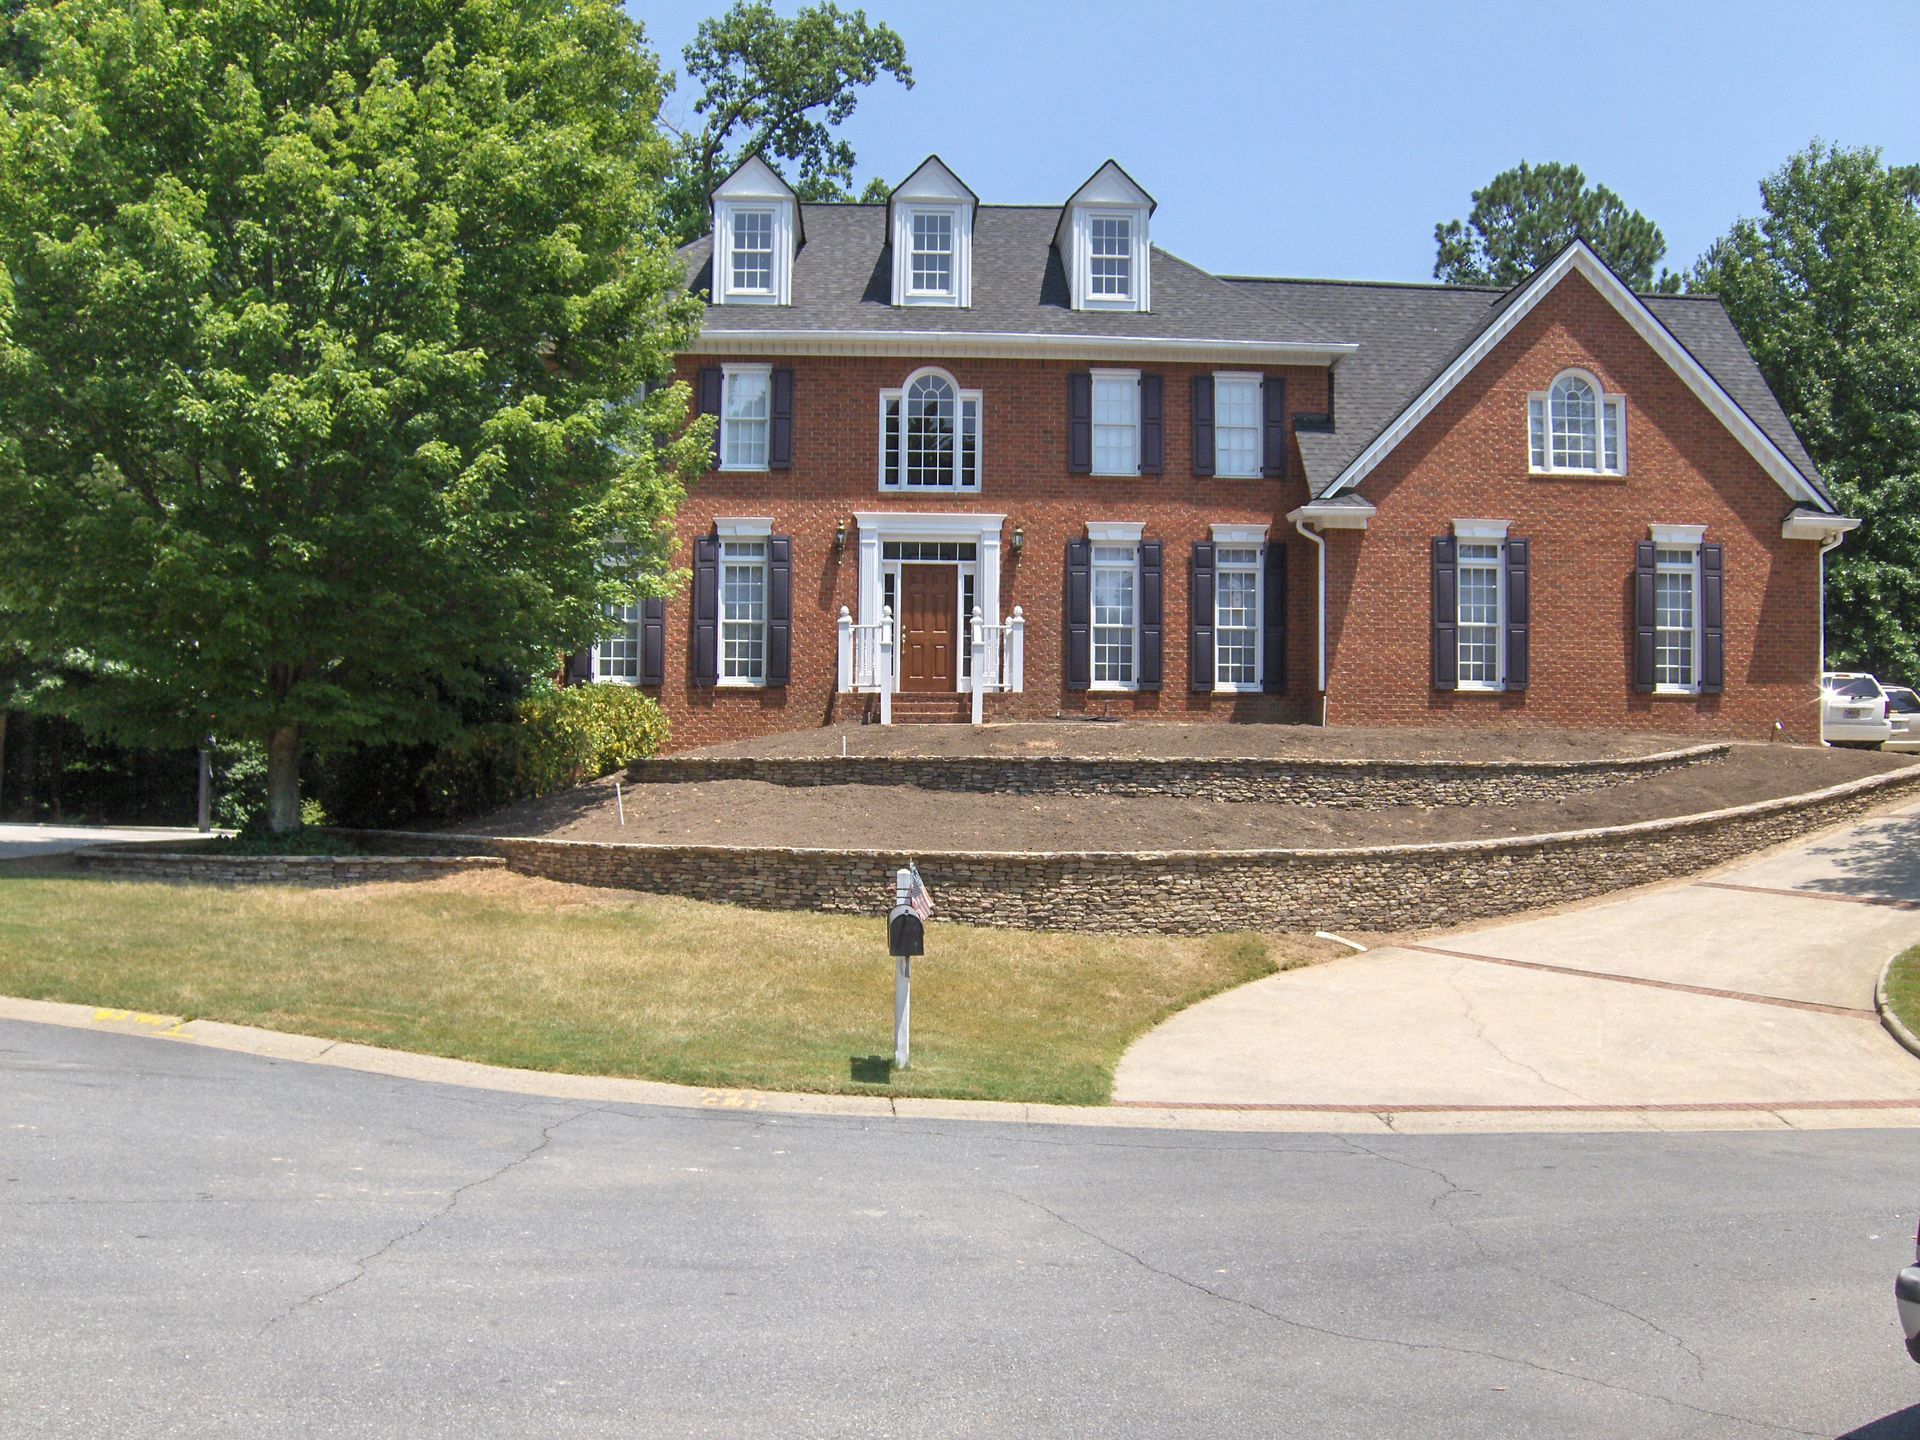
{"type": "Point", "coordinates": [511, 971]}
{"type": "Point", "coordinates": [1903, 988]}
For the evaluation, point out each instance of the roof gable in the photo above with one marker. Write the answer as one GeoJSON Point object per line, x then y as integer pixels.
{"type": "Point", "coordinates": [1109, 185]}
{"type": "Point", "coordinates": [933, 180]}
{"type": "Point", "coordinates": [1504, 316]}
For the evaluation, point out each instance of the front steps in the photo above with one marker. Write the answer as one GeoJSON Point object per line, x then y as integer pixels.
{"type": "Point", "coordinates": [929, 709]}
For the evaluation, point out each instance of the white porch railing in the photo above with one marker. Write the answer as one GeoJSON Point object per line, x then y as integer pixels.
{"type": "Point", "coordinates": [999, 659]}
{"type": "Point", "coordinates": [867, 661]}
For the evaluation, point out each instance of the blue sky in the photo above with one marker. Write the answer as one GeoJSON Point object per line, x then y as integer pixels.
{"type": "Point", "coordinates": [1326, 139]}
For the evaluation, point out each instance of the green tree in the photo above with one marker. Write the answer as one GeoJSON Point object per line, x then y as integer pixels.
{"type": "Point", "coordinates": [1525, 216]}
{"type": "Point", "coordinates": [1825, 288]}
{"type": "Point", "coordinates": [777, 88]}
{"type": "Point", "coordinates": [322, 335]}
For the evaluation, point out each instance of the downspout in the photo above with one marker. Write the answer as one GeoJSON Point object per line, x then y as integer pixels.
{"type": "Point", "coordinates": [1826, 546]}
{"type": "Point", "coordinates": [1320, 547]}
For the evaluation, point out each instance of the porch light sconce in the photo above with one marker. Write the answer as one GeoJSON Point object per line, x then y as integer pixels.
{"type": "Point", "coordinates": [1019, 539]}
{"type": "Point", "coordinates": [840, 537]}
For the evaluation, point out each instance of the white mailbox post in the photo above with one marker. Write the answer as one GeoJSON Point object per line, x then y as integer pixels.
{"type": "Point", "coordinates": [906, 938]}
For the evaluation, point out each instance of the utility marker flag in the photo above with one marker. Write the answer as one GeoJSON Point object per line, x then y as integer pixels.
{"type": "Point", "coordinates": [918, 900]}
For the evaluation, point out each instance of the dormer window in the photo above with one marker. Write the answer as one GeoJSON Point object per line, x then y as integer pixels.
{"type": "Point", "coordinates": [1574, 428]}
{"type": "Point", "coordinates": [1103, 244]}
{"type": "Point", "coordinates": [930, 227]}
{"type": "Point", "coordinates": [756, 230]}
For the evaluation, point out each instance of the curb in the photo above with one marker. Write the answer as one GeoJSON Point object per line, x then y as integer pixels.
{"type": "Point", "coordinates": [1892, 1022]}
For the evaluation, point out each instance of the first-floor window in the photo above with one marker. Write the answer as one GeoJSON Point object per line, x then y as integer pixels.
{"type": "Point", "coordinates": [1479, 618]}
{"type": "Point", "coordinates": [1675, 612]}
{"type": "Point", "coordinates": [1115, 613]}
{"type": "Point", "coordinates": [1236, 617]}
{"type": "Point", "coordinates": [743, 612]}
{"type": "Point", "coordinates": [617, 656]}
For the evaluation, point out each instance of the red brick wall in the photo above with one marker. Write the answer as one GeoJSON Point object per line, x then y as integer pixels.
{"type": "Point", "coordinates": [1469, 460]}
{"type": "Point", "coordinates": [1024, 475]}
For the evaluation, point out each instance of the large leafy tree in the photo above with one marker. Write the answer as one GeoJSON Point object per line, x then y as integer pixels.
{"type": "Point", "coordinates": [322, 329]}
{"type": "Point", "coordinates": [1525, 216]}
{"type": "Point", "coordinates": [1824, 286]}
{"type": "Point", "coordinates": [777, 87]}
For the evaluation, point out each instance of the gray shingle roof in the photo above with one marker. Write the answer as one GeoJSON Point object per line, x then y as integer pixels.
{"type": "Point", "coordinates": [843, 280]}
{"type": "Point", "coordinates": [1408, 334]}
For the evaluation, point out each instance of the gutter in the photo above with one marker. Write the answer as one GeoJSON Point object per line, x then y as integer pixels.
{"type": "Point", "coordinates": [1353, 515]}
{"type": "Point", "coordinates": [922, 342]}
{"type": "Point", "coordinates": [1320, 609]}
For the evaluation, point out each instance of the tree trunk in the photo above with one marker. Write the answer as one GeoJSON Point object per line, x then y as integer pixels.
{"type": "Point", "coordinates": [283, 779]}
{"type": "Point", "coordinates": [4, 714]}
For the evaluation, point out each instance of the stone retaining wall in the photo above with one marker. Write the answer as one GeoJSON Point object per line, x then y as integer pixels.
{"type": "Point", "coordinates": [1393, 887]}
{"type": "Point", "coordinates": [139, 862]}
{"type": "Point", "coordinates": [1333, 784]}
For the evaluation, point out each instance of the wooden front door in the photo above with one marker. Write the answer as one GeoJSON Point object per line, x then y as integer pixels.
{"type": "Point", "coordinates": [929, 616]}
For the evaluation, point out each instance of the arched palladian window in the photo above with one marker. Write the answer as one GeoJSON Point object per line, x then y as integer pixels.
{"type": "Point", "coordinates": [930, 434]}
{"type": "Point", "coordinates": [1575, 427]}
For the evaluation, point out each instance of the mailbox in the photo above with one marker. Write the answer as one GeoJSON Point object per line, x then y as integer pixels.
{"type": "Point", "coordinates": [906, 933]}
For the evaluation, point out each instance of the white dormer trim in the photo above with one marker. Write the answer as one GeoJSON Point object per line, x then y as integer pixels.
{"type": "Point", "coordinates": [932, 190]}
{"type": "Point", "coordinates": [1110, 194]}
{"type": "Point", "coordinates": [1578, 256]}
{"type": "Point", "coordinates": [755, 189]}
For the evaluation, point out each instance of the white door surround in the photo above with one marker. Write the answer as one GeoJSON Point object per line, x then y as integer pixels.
{"type": "Point", "coordinates": [877, 527]}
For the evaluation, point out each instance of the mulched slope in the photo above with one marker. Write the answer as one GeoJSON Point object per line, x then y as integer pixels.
{"type": "Point", "coordinates": [746, 812]}
{"type": "Point", "coordinates": [1167, 738]}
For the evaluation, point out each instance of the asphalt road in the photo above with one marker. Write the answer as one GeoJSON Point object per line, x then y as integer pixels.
{"type": "Point", "coordinates": [207, 1243]}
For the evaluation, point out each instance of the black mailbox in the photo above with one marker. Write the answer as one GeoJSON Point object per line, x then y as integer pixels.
{"type": "Point", "coordinates": [906, 933]}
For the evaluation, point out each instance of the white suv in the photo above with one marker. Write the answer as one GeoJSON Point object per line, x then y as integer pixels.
{"type": "Point", "coordinates": [1853, 710]}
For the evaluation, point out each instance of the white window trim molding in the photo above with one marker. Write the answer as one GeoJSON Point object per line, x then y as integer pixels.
{"type": "Point", "coordinates": [1610, 409]}
{"type": "Point", "coordinates": [1131, 377]}
{"type": "Point", "coordinates": [960, 295]}
{"type": "Point", "coordinates": [735, 682]}
{"type": "Point", "coordinates": [1676, 535]}
{"type": "Point", "coordinates": [1257, 380]}
{"type": "Point", "coordinates": [1480, 529]}
{"type": "Point", "coordinates": [1116, 532]}
{"type": "Point", "coordinates": [895, 484]}
{"type": "Point", "coordinates": [744, 527]}
{"type": "Point", "coordinates": [1581, 257]}
{"type": "Point", "coordinates": [727, 372]}
{"type": "Point", "coordinates": [781, 292]}
{"type": "Point", "coordinates": [1243, 536]}
{"type": "Point", "coordinates": [1680, 537]}
{"type": "Point", "coordinates": [1240, 534]}
{"type": "Point", "coordinates": [1113, 532]}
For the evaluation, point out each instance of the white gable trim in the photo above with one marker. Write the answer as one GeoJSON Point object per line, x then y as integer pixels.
{"type": "Point", "coordinates": [1579, 256]}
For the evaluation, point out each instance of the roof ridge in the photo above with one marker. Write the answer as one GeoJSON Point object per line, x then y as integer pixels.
{"type": "Point", "coordinates": [1375, 284]}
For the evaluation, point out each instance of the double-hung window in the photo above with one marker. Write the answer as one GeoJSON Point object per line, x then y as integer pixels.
{"type": "Point", "coordinates": [930, 264]}
{"type": "Point", "coordinates": [744, 410]}
{"type": "Point", "coordinates": [1116, 422]}
{"type": "Point", "coordinates": [1676, 618]}
{"type": "Point", "coordinates": [617, 656]}
{"type": "Point", "coordinates": [930, 435]}
{"type": "Point", "coordinates": [1110, 257]}
{"type": "Point", "coordinates": [1481, 616]}
{"type": "Point", "coordinates": [752, 252]}
{"type": "Point", "coordinates": [1116, 614]}
{"type": "Point", "coordinates": [743, 612]}
{"type": "Point", "coordinates": [1236, 617]}
{"type": "Point", "coordinates": [1236, 425]}
{"type": "Point", "coordinates": [1574, 428]}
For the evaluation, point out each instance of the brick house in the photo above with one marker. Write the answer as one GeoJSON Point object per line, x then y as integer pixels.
{"type": "Point", "coordinates": [1214, 498]}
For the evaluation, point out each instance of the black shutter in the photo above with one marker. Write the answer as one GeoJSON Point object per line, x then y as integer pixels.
{"type": "Point", "coordinates": [1519, 576]}
{"type": "Point", "coordinates": [1200, 615]}
{"type": "Point", "coordinates": [706, 610]}
{"type": "Point", "coordinates": [580, 667]}
{"type": "Point", "coordinates": [1273, 428]}
{"type": "Point", "coordinates": [1152, 615]}
{"type": "Point", "coordinates": [1079, 629]}
{"type": "Point", "coordinates": [1152, 425]}
{"type": "Point", "coordinates": [1713, 619]}
{"type": "Point", "coordinates": [1643, 616]}
{"type": "Point", "coordinates": [1446, 615]}
{"type": "Point", "coordinates": [1273, 630]}
{"type": "Point", "coordinates": [779, 609]}
{"type": "Point", "coordinates": [653, 642]}
{"type": "Point", "coordinates": [706, 397]}
{"type": "Point", "coordinates": [1203, 425]}
{"type": "Point", "coordinates": [780, 423]}
{"type": "Point", "coordinates": [1080, 422]}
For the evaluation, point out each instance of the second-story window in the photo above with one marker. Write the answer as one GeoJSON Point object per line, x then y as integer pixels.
{"type": "Point", "coordinates": [1116, 422]}
{"type": "Point", "coordinates": [931, 263]}
{"type": "Point", "coordinates": [930, 435]}
{"type": "Point", "coordinates": [744, 417]}
{"type": "Point", "coordinates": [1574, 428]}
{"type": "Point", "coordinates": [1236, 425]}
{"type": "Point", "coordinates": [1110, 257]}
{"type": "Point", "coordinates": [752, 252]}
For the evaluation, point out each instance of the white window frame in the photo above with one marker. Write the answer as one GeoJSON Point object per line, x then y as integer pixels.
{"type": "Point", "coordinates": [1237, 379]}
{"type": "Point", "coordinates": [1258, 569]}
{"type": "Point", "coordinates": [780, 289]}
{"type": "Point", "coordinates": [628, 630]}
{"type": "Point", "coordinates": [1114, 378]}
{"type": "Point", "coordinates": [1668, 539]}
{"type": "Point", "coordinates": [894, 479]}
{"type": "Point", "coordinates": [948, 293]}
{"type": "Point", "coordinates": [728, 373]}
{"type": "Point", "coordinates": [1108, 535]}
{"type": "Point", "coordinates": [728, 542]}
{"type": "Point", "coordinates": [1482, 532]}
{"type": "Point", "coordinates": [1137, 293]}
{"type": "Point", "coordinates": [1610, 433]}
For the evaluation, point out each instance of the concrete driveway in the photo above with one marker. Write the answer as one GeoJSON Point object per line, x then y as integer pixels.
{"type": "Point", "coordinates": [18, 842]}
{"type": "Point", "coordinates": [1748, 987]}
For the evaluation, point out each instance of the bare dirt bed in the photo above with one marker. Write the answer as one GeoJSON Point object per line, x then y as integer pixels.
{"type": "Point", "coordinates": [750, 812]}
{"type": "Point", "coordinates": [1138, 739]}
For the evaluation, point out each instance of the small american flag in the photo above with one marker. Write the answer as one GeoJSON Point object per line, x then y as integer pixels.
{"type": "Point", "coordinates": [918, 900]}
